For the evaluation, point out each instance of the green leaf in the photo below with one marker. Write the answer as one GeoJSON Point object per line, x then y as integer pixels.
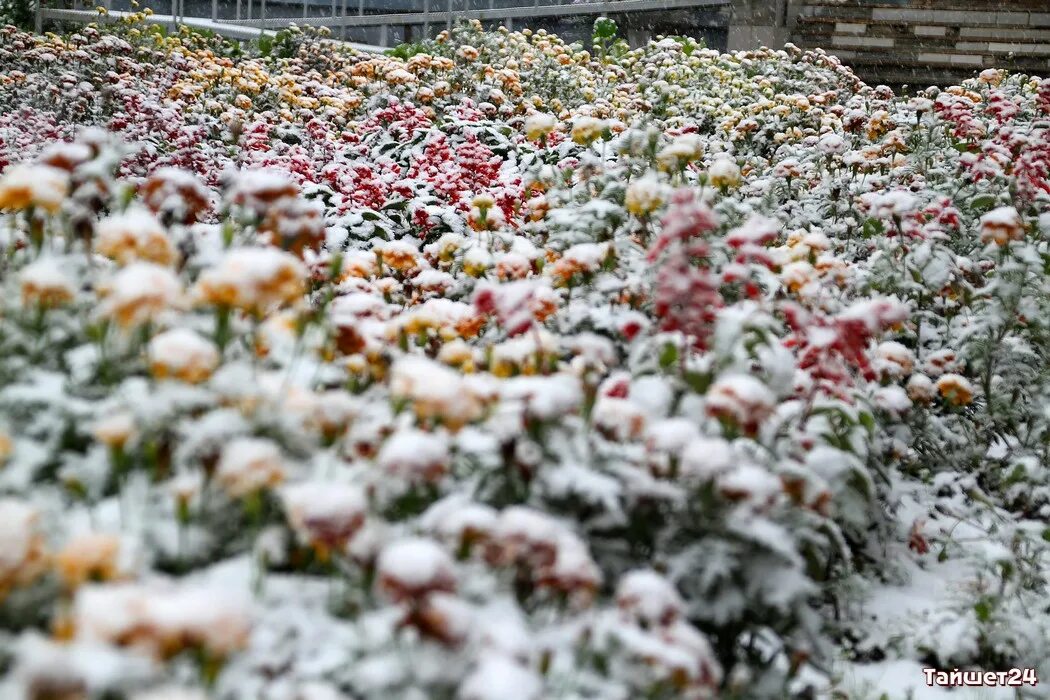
{"type": "Point", "coordinates": [698, 381]}
{"type": "Point", "coordinates": [604, 28]}
{"type": "Point", "coordinates": [982, 202]}
{"type": "Point", "coordinates": [668, 356]}
{"type": "Point", "coordinates": [983, 610]}
{"type": "Point", "coordinates": [872, 228]}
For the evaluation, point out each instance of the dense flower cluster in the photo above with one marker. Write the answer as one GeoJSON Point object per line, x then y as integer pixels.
{"type": "Point", "coordinates": [506, 371]}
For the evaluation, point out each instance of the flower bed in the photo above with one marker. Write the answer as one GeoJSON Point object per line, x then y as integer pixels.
{"type": "Point", "coordinates": [511, 370]}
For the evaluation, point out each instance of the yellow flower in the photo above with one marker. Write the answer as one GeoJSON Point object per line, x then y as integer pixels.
{"type": "Point", "coordinates": [25, 186]}
{"type": "Point", "coordinates": [644, 196]}
{"type": "Point", "coordinates": [587, 130]}
{"type": "Point", "coordinates": [723, 173]}
{"type": "Point", "coordinates": [539, 125]}
{"type": "Point", "coordinates": [680, 152]}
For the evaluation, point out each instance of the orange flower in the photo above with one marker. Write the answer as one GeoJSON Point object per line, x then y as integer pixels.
{"type": "Point", "coordinates": [88, 557]}
{"type": "Point", "coordinates": [134, 235]}
{"type": "Point", "coordinates": [955, 389]}
{"type": "Point", "coordinates": [25, 186]}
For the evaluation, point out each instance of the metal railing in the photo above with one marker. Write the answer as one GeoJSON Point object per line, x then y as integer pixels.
{"type": "Point", "coordinates": [251, 27]}
{"type": "Point", "coordinates": [449, 15]}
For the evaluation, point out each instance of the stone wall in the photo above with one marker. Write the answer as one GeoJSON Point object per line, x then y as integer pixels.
{"type": "Point", "coordinates": [913, 42]}
{"type": "Point", "coordinates": [927, 43]}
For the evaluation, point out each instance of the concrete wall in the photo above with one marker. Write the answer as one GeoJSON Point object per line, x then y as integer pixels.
{"type": "Point", "coordinates": [757, 23]}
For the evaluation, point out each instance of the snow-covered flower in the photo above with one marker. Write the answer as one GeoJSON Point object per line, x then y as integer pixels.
{"type": "Point", "coordinates": [832, 143]}
{"type": "Point", "coordinates": [412, 568]}
{"type": "Point", "coordinates": [680, 152]}
{"type": "Point", "coordinates": [22, 555]}
{"type": "Point", "coordinates": [539, 125]}
{"type": "Point", "coordinates": [741, 400]}
{"type": "Point", "coordinates": [644, 196]}
{"type": "Point", "coordinates": [140, 293]}
{"type": "Point", "coordinates": [27, 185]}
{"type": "Point", "coordinates": [93, 556]}
{"type": "Point", "coordinates": [437, 393]}
{"type": "Point", "coordinates": [260, 189]}
{"type": "Point", "coordinates": [45, 285]}
{"type": "Point", "coordinates": [248, 465]}
{"type": "Point", "coordinates": [921, 388]}
{"type": "Point", "coordinates": [325, 514]}
{"type": "Point", "coordinates": [894, 359]}
{"type": "Point", "coordinates": [171, 693]}
{"type": "Point", "coordinates": [182, 354]}
{"type": "Point", "coordinates": [176, 195]}
{"type": "Point", "coordinates": [162, 620]}
{"type": "Point", "coordinates": [586, 130]}
{"type": "Point", "coordinates": [415, 456]}
{"type": "Point", "coordinates": [255, 280]}
{"type": "Point", "coordinates": [723, 173]}
{"type": "Point", "coordinates": [955, 388]}
{"type": "Point", "coordinates": [497, 677]}
{"type": "Point", "coordinates": [894, 204]}
{"type": "Point", "coordinates": [646, 597]}
{"type": "Point", "coordinates": [115, 430]}
{"type": "Point", "coordinates": [134, 235]}
{"type": "Point", "coordinates": [1002, 225]}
